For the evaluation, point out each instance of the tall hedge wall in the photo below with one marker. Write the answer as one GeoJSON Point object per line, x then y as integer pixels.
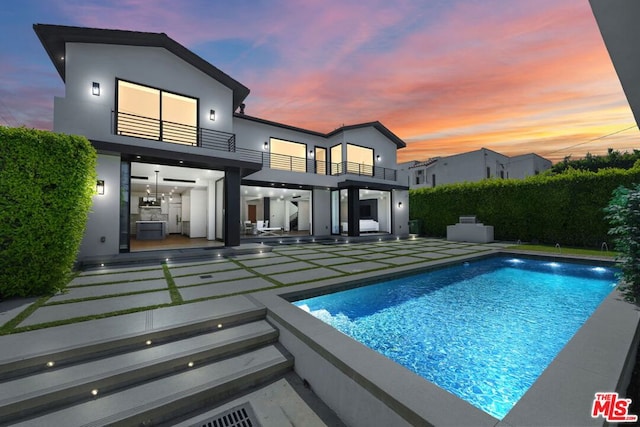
{"type": "Point", "coordinates": [565, 208]}
{"type": "Point", "coordinates": [46, 184]}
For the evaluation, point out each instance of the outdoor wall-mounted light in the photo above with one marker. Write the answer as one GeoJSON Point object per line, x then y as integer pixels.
{"type": "Point", "coordinates": [399, 205]}
{"type": "Point", "coordinates": [95, 89]}
{"type": "Point", "coordinates": [100, 187]}
{"type": "Point", "coordinates": [212, 115]}
{"type": "Point", "coordinates": [310, 153]}
{"type": "Point", "coordinates": [266, 145]}
{"type": "Point", "coordinates": [378, 158]}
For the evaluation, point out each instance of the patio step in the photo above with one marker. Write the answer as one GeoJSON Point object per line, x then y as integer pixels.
{"type": "Point", "coordinates": [161, 400]}
{"type": "Point", "coordinates": [64, 355]}
{"type": "Point", "coordinates": [72, 384]}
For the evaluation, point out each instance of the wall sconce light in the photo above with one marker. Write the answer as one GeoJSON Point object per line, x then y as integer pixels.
{"type": "Point", "coordinates": [399, 205]}
{"type": "Point", "coordinates": [378, 158]}
{"type": "Point", "coordinates": [212, 115]}
{"type": "Point", "coordinates": [266, 145]}
{"type": "Point", "coordinates": [310, 153]}
{"type": "Point", "coordinates": [95, 89]}
{"type": "Point", "coordinates": [100, 187]}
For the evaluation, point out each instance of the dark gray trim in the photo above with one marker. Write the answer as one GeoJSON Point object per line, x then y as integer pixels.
{"type": "Point", "coordinates": [376, 125]}
{"type": "Point", "coordinates": [371, 185]}
{"type": "Point", "coordinates": [231, 207]}
{"type": "Point", "coordinates": [172, 158]}
{"type": "Point", "coordinates": [55, 37]}
{"type": "Point", "coordinates": [266, 208]}
{"type": "Point", "coordinates": [353, 211]}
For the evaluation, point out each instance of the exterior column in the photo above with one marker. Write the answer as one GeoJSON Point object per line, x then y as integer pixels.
{"type": "Point", "coordinates": [232, 207]}
{"type": "Point", "coordinates": [266, 209]}
{"type": "Point", "coordinates": [353, 211]}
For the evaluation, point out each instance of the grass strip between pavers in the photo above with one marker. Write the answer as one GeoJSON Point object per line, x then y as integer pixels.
{"type": "Point", "coordinates": [97, 297]}
{"type": "Point", "coordinates": [113, 283]}
{"type": "Point", "coordinates": [252, 271]}
{"type": "Point", "coordinates": [216, 282]}
{"type": "Point", "coordinates": [10, 326]}
{"type": "Point", "coordinates": [104, 273]}
{"type": "Point", "coordinates": [86, 318]}
{"type": "Point", "coordinates": [176, 298]}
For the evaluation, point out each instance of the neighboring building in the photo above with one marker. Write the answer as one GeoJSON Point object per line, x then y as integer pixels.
{"type": "Point", "coordinates": [470, 167]}
{"type": "Point", "coordinates": [175, 157]}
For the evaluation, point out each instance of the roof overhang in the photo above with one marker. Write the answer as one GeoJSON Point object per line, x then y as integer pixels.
{"type": "Point", "coordinates": [618, 23]}
{"type": "Point", "coordinates": [55, 37]}
{"type": "Point", "coordinates": [168, 157]}
{"type": "Point", "coordinates": [371, 185]}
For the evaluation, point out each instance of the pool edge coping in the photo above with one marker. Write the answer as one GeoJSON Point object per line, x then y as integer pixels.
{"type": "Point", "coordinates": [529, 408]}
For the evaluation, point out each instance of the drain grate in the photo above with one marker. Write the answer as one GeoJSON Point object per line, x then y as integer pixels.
{"type": "Point", "coordinates": [240, 416]}
{"type": "Point", "coordinates": [207, 276]}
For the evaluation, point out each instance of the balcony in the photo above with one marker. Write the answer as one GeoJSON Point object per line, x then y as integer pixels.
{"type": "Point", "coordinates": [177, 133]}
{"type": "Point", "coordinates": [301, 164]}
{"type": "Point", "coordinates": [125, 124]}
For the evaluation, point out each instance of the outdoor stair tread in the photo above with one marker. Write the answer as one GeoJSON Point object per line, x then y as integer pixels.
{"type": "Point", "coordinates": [30, 350]}
{"type": "Point", "coordinates": [135, 366]}
{"type": "Point", "coordinates": [186, 391]}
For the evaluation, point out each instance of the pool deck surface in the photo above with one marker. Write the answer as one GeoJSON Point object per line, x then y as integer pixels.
{"type": "Point", "coordinates": [169, 291]}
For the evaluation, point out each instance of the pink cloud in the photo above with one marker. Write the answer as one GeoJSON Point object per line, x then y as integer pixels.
{"type": "Point", "coordinates": [445, 78]}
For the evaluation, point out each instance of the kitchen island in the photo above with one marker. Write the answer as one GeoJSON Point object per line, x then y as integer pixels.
{"type": "Point", "coordinates": [151, 230]}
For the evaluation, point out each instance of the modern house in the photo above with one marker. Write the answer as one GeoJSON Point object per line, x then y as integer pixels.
{"type": "Point", "coordinates": [470, 167]}
{"type": "Point", "coordinates": [178, 156]}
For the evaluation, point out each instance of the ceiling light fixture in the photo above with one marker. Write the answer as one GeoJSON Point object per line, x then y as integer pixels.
{"type": "Point", "coordinates": [156, 171]}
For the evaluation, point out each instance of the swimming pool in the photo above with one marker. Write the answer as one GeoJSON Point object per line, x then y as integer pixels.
{"type": "Point", "coordinates": [484, 330]}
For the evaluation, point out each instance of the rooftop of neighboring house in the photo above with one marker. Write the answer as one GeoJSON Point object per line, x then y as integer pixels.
{"type": "Point", "coordinates": [431, 161]}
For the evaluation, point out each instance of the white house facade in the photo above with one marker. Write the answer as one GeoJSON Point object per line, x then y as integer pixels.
{"type": "Point", "coordinates": [471, 167]}
{"type": "Point", "coordinates": [177, 154]}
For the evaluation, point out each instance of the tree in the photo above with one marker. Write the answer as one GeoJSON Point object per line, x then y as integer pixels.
{"type": "Point", "coordinates": [623, 214]}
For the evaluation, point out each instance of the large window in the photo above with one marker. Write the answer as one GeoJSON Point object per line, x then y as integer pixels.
{"type": "Point", "coordinates": [321, 160]}
{"type": "Point", "coordinates": [359, 160]}
{"type": "Point", "coordinates": [336, 159]}
{"type": "Point", "coordinates": [287, 155]}
{"type": "Point", "coordinates": [145, 112]}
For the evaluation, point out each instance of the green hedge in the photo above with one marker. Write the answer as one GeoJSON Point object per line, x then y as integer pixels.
{"type": "Point", "coordinates": [565, 208]}
{"type": "Point", "coordinates": [46, 184]}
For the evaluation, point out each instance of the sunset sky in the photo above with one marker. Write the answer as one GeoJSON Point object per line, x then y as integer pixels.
{"type": "Point", "coordinates": [446, 76]}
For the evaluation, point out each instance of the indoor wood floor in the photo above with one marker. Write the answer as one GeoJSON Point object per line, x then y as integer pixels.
{"type": "Point", "coordinates": [173, 241]}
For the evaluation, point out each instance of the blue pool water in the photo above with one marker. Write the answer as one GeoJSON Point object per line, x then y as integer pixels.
{"type": "Point", "coordinates": [484, 330]}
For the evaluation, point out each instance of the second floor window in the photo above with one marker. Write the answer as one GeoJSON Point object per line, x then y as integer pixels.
{"type": "Point", "coordinates": [149, 113]}
{"type": "Point", "coordinates": [359, 160]}
{"type": "Point", "coordinates": [287, 155]}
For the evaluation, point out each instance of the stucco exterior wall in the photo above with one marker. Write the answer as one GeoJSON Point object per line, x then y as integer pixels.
{"type": "Point", "coordinates": [104, 217]}
{"type": "Point", "coordinates": [80, 112]}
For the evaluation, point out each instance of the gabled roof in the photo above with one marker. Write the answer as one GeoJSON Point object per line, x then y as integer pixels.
{"type": "Point", "coordinates": [55, 37]}
{"type": "Point", "coordinates": [376, 125]}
